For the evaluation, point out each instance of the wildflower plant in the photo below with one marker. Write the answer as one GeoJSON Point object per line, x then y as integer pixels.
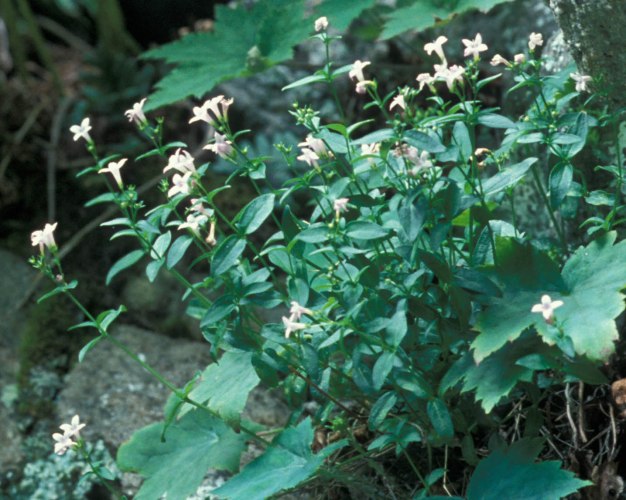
{"type": "Point", "coordinates": [409, 291]}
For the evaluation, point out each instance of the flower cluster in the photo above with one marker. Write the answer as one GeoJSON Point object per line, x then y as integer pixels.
{"type": "Point", "coordinates": [292, 323]}
{"type": "Point", "coordinates": [64, 441]}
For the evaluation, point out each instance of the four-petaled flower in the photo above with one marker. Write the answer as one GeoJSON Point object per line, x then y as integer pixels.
{"type": "Point", "coordinates": [218, 106]}
{"type": "Point", "coordinates": [73, 428]}
{"type": "Point", "coordinates": [581, 81]}
{"type": "Point", "coordinates": [309, 157]}
{"type": "Point", "coordinates": [292, 326]}
{"type": "Point", "coordinates": [425, 79]}
{"type": "Point", "coordinates": [182, 161]}
{"type": "Point", "coordinates": [297, 311]}
{"type": "Point", "coordinates": [44, 237]}
{"type": "Point", "coordinates": [193, 222]}
{"type": "Point", "coordinates": [63, 443]}
{"type": "Point", "coordinates": [180, 184]}
{"type": "Point", "coordinates": [498, 59]}
{"type": "Point", "coordinates": [321, 23]}
{"type": "Point", "coordinates": [340, 205]}
{"type": "Point", "coordinates": [221, 146]}
{"type": "Point", "coordinates": [474, 47]}
{"type": "Point", "coordinates": [356, 73]}
{"type": "Point", "coordinates": [535, 40]}
{"type": "Point", "coordinates": [114, 168]}
{"type": "Point", "coordinates": [82, 130]}
{"type": "Point", "coordinates": [546, 307]}
{"type": "Point", "coordinates": [318, 146]}
{"type": "Point", "coordinates": [437, 47]}
{"type": "Point", "coordinates": [398, 101]}
{"type": "Point", "coordinates": [136, 114]}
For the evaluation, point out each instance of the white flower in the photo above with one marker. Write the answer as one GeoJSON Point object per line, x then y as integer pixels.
{"type": "Point", "coordinates": [221, 146]}
{"type": "Point", "coordinates": [340, 205]}
{"type": "Point", "coordinates": [114, 168]}
{"type": "Point", "coordinates": [425, 79]}
{"type": "Point", "coordinates": [357, 70]}
{"type": "Point", "coordinates": [519, 58]}
{"type": "Point", "coordinates": [546, 307]}
{"type": "Point", "coordinates": [291, 326]}
{"type": "Point", "coordinates": [361, 86]}
{"type": "Point", "coordinates": [370, 149]}
{"type": "Point", "coordinates": [210, 239]}
{"type": "Point", "coordinates": [81, 130]}
{"type": "Point", "coordinates": [318, 146]}
{"type": "Point", "coordinates": [321, 23]}
{"type": "Point", "coordinates": [45, 237]}
{"type": "Point", "coordinates": [218, 106]}
{"type": "Point", "coordinates": [73, 428]}
{"type": "Point", "coordinates": [498, 59]}
{"type": "Point", "coordinates": [63, 443]}
{"type": "Point", "coordinates": [180, 184]}
{"type": "Point", "coordinates": [398, 101]}
{"type": "Point", "coordinates": [193, 222]}
{"type": "Point", "coordinates": [136, 113]}
{"type": "Point", "coordinates": [474, 47]}
{"type": "Point", "coordinates": [581, 81]}
{"type": "Point", "coordinates": [450, 75]}
{"type": "Point", "coordinates": [182, 161]}
{"type": "Point", "coordinates": [309, 157]}
{"type": "Point", "coordinates": [535, 40]}
{"type": "Point", "coordinates": [437, 47]}
{"type": "Point", "coordinates": [198, 207]}
{"type": "Point", "coordinates": [297, 311]}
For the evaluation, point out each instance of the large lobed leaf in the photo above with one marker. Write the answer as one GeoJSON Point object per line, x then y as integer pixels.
{"type": "Point", "coordinates": [513, 474]}
{"type": "Point", "coordinates": [244, 41]}
{"type": "Point", "coordinates": [284, 465]}
{"type": "Point", "coordinates": [177, 465]}
{"type": "Point", "coordinates": [590, 287]}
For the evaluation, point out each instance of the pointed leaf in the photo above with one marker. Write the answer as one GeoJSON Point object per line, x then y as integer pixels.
{"type": "Point", "coordinates": [254, 213]}
{"type": "Point", "coordinates": [124, 263]}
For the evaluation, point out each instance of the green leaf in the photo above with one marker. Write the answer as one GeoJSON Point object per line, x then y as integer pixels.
{"type": "Point", "coordinates": [340, 13]}
{"type": "Point", "coordinates": [495, 120]}
{"type": "Point", "coordinates": [285, 464]}
{"type": "Point", "coordinates": [307, 80]}
{"type": "Point", "coordinates": [226, 254]}
{"type": "Point", "coordinates": [507, 177]}
{"type": "Point", "coordinates": [317, 233]}
{"type": "Point", "coordinates": [224, 386]}
{"type": "Point", "coordinates": [561, 178]}
{"type": "Point", "coordinates": [153, 268]}
{"type": "Point", "coordinates": [380, 409]}
{"type": "Point", "coordinates": [59, 289]}
{"type": "Point", "coordinates": [462, 140]}
{"type": "Point", "coordinates": [382, 368]}
{"type": "Point", "coordinates": [440, 418]}
{"type": "Point", "coordinates": [177, 250]}
{"type": "Point", "coordinates": [159, 247]}
{"type": "Point", "coordinates": [107, 317]}
{"type": "Point", "coordinates": [590, 287]}
{"type": "Point", "coordinates": [424, 142]}
{"type": "Point", "coordinates": [421, 14]}
{"type": "Point", "coordinates": [177, 465]}
{"type": "Point", "coordinates": [88, 347]}
{"type": "Point", "coordinates": [221, 308]}
{"type": "Point", "coordinates": [245, 40]}
{"type": "Point", "coordinates": [364, 230]}
{"type": "Point", "coordinates": [103, 198]}
{"type": "Point", "coordinates": [124, 263]}
{"type": "Point", "coordinates": [254, 213]}
{"type": "Point", "coordinates": [513, 474]}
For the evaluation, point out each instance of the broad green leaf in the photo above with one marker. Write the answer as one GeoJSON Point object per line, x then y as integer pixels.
{"type": "Point", "coordinates": [177, 250]}
{"type": "Point", "coordinates": [221, 308]}
{"type": "Point", "coordinates": [124, 263]}
{"type": "Point", "coordinates": [177, 465]}
{"type": "Point", "coordinates": [507, 177]}
{"type": "Point", "coordinates": [254, 213]}
{"type": "Point", "coordinates": [412, 217]}
{"type": "Point", "coordinates": [513, 474]}
{"type": "Point", "coordinates": [160, 245]}
{"type": "Point", "coordinates": [317, 233]}
{"type": "Point", "coordinates": [424, 142]}
{"type": "Point", "coordinates": [440, 418]}
{"type": "Point", "coordinates": [285, 464]}
{"type": "Point", "coordinates": [226, 254]}
{"type": "Point", "coordinates": [340, 13]}
{"type": "Point", "coordinates": [461, 139]}
{"type": "Point", "coordinates": [495, 120]}
{"type": "Point", "coordinates": [382, 368]}
{"type": "Point", "coordinates": [590, 287]}
{"type": "Point", "coordinates": [224, 386]}
{"type": "Point", "coordinates": [244, 41]}
{"type": "Point", "coordinates": [364, 230]}
{"type": "Point", "coordinates": [153, 268]}
{"type": "Point", "coordinates": [421, 14]}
